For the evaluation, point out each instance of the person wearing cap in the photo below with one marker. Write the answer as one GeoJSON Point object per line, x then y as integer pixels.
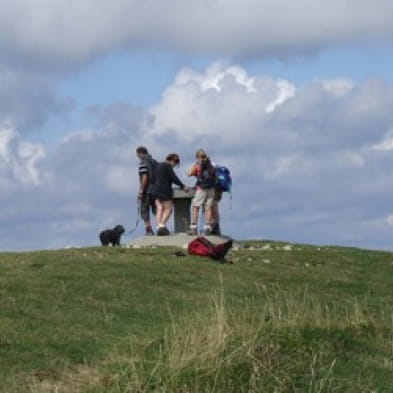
{"type": "Point", "coordinates": [165, 177]}
{"type": "Point", "coordinates": [146, 171]}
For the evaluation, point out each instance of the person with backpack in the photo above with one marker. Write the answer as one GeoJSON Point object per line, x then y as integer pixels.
{"type": "Point", "coordinates": [205, 174]}
{"type": "Point", "coordinates": [165, 177]}
{"type": "Point", "coordinates": [146, 170]}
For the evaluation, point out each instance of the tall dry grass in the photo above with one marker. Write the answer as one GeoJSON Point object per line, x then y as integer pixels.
{"type": "Point", "coordinates": [273, 342]}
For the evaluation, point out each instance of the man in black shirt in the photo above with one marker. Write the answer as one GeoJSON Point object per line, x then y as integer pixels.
{"type": "Point", "coordinates": [146, 170]}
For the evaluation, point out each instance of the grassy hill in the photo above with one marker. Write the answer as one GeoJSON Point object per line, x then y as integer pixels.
{"type": "Point", "coordinates": [279, 319]}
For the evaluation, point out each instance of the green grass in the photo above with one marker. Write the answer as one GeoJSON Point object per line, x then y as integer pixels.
{"type": "Point", "coordinates": [110, 320]}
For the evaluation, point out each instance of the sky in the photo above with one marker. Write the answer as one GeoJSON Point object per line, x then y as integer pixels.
{"type": "Point", "coordinates": [295, 98]}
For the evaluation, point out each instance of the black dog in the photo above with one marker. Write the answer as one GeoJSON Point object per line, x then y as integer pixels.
{"type": "Point", "coordinates": [112, 236]}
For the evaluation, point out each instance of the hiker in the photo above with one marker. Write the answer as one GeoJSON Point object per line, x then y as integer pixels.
{"type": "Point", "coordinates": [165, 176]}
{"type": "Point", "coordinates": [205, 174]}
{"type": "Point", "coordinates": [146, 170]}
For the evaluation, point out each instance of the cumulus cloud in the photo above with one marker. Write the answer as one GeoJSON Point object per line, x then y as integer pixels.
{"type": "Point", "coordinates": [310, 163]}
{"type": "Point", "coordinates": [64, 32]}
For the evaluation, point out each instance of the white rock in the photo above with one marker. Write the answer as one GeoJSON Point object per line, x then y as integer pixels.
{"type": "Point", "coordinates": [136, 246]}
{"type": "Point", "coordinates": [266, 247]}
{"type": "Point", "coordinates": [287, 248]}
{"type": "Point", "coordinates": [266, 261]}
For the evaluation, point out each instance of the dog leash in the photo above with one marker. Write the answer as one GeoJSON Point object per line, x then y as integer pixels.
{"type": "Point", "coordinates": [139, 202]}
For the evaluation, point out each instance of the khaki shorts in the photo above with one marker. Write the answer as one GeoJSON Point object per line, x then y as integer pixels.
{"type": "Point", "coordinates": [204, 197]}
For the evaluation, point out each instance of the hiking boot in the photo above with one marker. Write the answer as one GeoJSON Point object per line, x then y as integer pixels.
{"type": "Point", "coordinates": [192, 232]}
{"type": "Point", "coordinates": [216, 229]}
{"type": "Point", "coordinates": [208, 231]}
{"type": "Point", "coordinates": [163, 231]}
{"type": "Point", "coordinates": [149, 232]}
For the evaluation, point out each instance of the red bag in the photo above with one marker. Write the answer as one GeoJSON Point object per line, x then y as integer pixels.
{"type": "Point", "coordinates": [205, 248]}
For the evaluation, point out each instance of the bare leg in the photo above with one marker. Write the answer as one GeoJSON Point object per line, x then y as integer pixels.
{"type": "Point", "coordinates": [160, 211]}
{"type": "Point", "coordinates": [216, 219]}
{"type": "Point", "coordinates": [167, 211]}
{"type": "Point", "coordinates": [208, 215]}
{"type": "Point", "coordinates": [195, 215]}
{"type": "Point", "coordinates": [215, 213]}
{"type": "Point", "coordinates": [193, 230]}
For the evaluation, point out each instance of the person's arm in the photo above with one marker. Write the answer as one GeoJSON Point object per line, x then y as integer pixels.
{"type": "Point", "coordinates": [175, 179]}
{"type": "Point", "coordinates": [143, 185]}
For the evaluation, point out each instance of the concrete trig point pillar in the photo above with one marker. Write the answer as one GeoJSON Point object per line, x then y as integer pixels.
{"type": "Point", "coordinates": [180, 238]}
{"type": "Point", "coordinates": [182, 209]}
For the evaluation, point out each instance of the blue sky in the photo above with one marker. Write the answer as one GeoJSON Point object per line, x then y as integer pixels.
{"type": "Point", "coordinates": [304, 91]}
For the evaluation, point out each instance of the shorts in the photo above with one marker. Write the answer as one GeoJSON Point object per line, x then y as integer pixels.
{"type": "Point", "coordinates": [162, 196]}
{"type": "Point", "coordinates": [204, 197]}
{"type": "Point", "coordinates": [147, 203]}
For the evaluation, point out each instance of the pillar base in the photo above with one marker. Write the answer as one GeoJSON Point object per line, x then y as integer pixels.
{"type": "Point", "coordinates": [176, 240]}
{"type": "Point", "coordinates": [182, 209]}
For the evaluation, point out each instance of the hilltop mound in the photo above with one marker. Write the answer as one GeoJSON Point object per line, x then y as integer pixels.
{"type": "Point", "coordinates": [281, 318]}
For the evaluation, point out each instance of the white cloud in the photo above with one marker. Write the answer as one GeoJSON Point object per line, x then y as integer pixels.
{"type": "Point", "coordinates": [386, 144]}
{"type": "Point", "coordinates": [19, 159]}
{"type": "Point", "coordinates": [215, 74]}
{"type": "Point", "coordinates": [67, 32]}
{"type": "Point", "coordinates": [339, 86]}
{"type": "Point", "coordinates": [286, 90]}
{"type": "Point", "coordinates": [214, 103]}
